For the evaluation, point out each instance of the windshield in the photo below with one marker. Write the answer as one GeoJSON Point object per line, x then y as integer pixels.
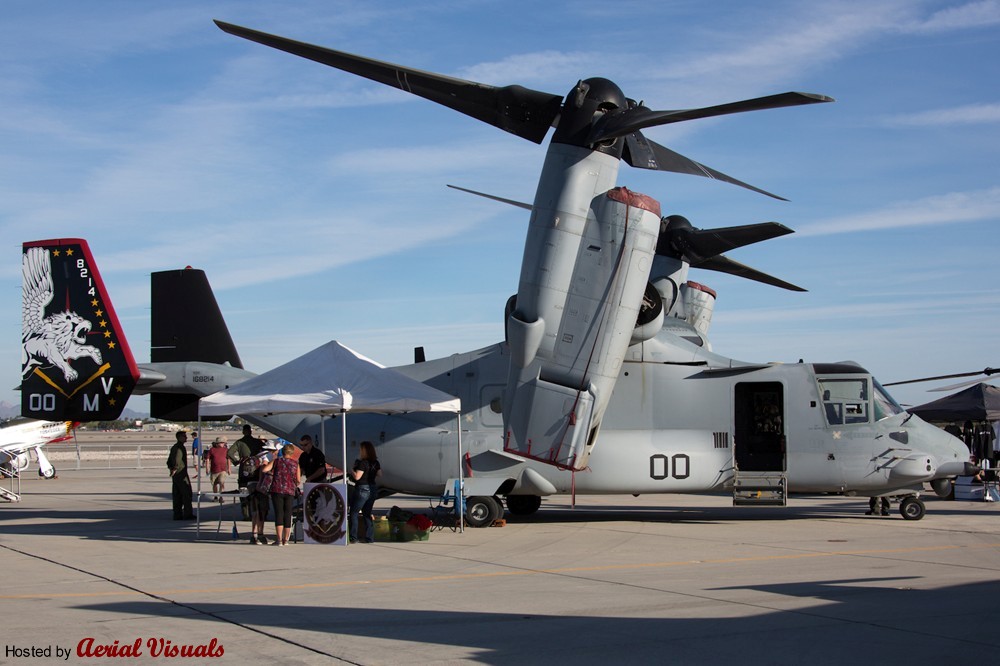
{"type": "Point", "coordinates": [845, 399]}
{"type": "Point", "coordinates": [885, 404]}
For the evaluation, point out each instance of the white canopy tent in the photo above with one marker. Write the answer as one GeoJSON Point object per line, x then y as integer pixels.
{"type": "Point", "coordinates": [333, 379]}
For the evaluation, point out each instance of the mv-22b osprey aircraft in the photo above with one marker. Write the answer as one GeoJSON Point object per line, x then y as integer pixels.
{"type": "Point", "coordinates": [606, 382]}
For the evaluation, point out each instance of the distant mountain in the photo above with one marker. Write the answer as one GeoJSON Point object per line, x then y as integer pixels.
{"type": "Point", "coordinates": [133, 414]}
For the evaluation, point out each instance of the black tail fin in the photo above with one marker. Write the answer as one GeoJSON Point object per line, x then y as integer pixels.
{"type": "Point", "coordinates": [187, 325]}
{"type": "Point", "coordinates": [75, 362]}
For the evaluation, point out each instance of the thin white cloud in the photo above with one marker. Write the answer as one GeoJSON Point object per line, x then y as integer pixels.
{"type": "Point", "coordinates": [981, 14]}
{"type": "Point", "coordinates": [851, 312]}
{"type": "Point", "coordinates": [781, 49]}
{"type": "Point", "coordinates": [527, 67]}
{"type": "Point", "coordinates": [427, 160]}
{"type": "Point", "coordinates": [949, 208]}
{"type": "Point", "coordinates": [970, 114]}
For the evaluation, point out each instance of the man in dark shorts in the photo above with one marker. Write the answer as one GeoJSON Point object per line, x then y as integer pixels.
{"type": "Point", "coordinates": [312, 461]}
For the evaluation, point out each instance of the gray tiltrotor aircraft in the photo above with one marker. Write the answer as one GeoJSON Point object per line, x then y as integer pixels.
{"type": "Point", "coordinates": [606, 382]}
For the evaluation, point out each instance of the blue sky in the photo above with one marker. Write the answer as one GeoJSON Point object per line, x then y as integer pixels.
{"type": "Point", "coordinates": [316, 201]}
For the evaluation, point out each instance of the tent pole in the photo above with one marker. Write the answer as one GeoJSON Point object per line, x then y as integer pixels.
{"type": "Point", "coordinates": [197, 466]}
{"type": "Point", "coordinates": [461, 475]}
{"type": "Point", "coordinates": [343, 467]}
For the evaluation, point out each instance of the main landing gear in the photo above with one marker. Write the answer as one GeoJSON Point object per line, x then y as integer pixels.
{"type": "Point", "coordinates": [483, 510]}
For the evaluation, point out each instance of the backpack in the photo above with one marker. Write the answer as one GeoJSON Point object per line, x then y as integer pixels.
{"type": "Point", "coordinates": [248, 469]}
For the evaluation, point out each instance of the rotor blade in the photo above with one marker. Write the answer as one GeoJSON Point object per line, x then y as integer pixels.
{"type": "Point", "coordinates": [515, 109]}
{"type": "Point", "coordinates": [644, 153]}
{"type": "Point", "coordinates": [626, 121]}
{"type": "Point", "coordinates": [519, 204]}
{"type": "Point", "coordinates": [952, 387]}
{"type": "Point", "coordinates": [726, 265]}
{"type": "Point", "coordinates": [987, 372]}
{"type": "Point", "coordinates": [714, 242]}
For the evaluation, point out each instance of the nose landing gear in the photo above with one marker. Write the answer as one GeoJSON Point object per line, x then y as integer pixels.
{"type": "Point", "coordinates": [912, 508]}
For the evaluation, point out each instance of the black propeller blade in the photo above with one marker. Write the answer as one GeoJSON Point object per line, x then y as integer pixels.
{"type": "Point", "coordinates": [510, 202]}
{"type": "Point", "coordinates": [594, 114]}
{"type": "Point", "coordinates": [987, 372]}
{"type": "Point", "coordinates": [518, 110]}
{"type": "Point", "coordinates": [625, 121]}
{"type": "Point", "coordinates": [704, 248]}
{"type": "Point", "coordinates": [723, 264]}
{"type": "Point", "coordinates": [644, 153]}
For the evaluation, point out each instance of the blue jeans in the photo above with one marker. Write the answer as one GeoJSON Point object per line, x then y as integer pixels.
{"type": "Point", "coordinates": [362, 500]}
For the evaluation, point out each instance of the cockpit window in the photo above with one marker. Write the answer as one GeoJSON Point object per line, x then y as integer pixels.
{"type": "Point", "coordinates": [885, 405]}
{"type": "Point", "coordinates": [845, 401]}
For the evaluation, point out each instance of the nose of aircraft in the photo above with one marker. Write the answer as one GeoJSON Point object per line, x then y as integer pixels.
{"type": "Point", "coordinates": [949, 453]}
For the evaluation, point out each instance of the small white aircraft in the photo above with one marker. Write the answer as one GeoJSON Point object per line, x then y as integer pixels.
{"type": "Point", "coordinates": [20, 436]}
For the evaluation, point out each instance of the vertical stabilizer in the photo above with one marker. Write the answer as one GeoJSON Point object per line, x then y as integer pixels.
{"type": "Point", "coordinates": [75, 362]}
{"type": "Point", "coordinates": [187, 325]}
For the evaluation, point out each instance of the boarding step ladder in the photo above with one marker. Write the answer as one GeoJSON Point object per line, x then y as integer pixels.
{"type": "Point", "coordinates": [760, 489]}
{"type": "Point", "coordinates": [13, 475]}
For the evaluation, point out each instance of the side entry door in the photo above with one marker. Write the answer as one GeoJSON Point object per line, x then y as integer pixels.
{"type": "Point", "coordinates": [759, 428]}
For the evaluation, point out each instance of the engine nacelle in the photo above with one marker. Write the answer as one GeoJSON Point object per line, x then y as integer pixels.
{"type": "Point", "coordinates": [699, 304]}
{"type": "Point", "coordinates": [585, 270]}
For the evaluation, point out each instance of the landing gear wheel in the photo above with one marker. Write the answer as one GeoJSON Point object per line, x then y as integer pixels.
{"type": "Point", "coordinates": [912, 508]}
{"type": "Point", "coordinates": [47, 473]}
{"type": "Point", "coordinates": [481, 511]}
{"type": "Point", "coordinates": [523, 505]}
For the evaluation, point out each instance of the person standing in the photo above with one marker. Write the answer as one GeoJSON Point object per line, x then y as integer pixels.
{"type": "Point", "coordinates": [260, 497]}
{"type": "Point", "coordinates": [284, 485]}
{"type": "Point", "coordinates": [312, 461]}
{"type": "Point", "coordinates": [874, 504]}
{"type": "Point", "coordinates": [217, 465]}
{"type": "Point", "coordinates": [241, 454]}
{"type": "Point", "coordinates": [195, 446]}
{"type": "Point", "coordinates": [365, 472]}
{"type": "Point", "coordinates": [181, 482]}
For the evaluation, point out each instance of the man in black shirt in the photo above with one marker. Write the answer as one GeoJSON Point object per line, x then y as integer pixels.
{"type": "Point", "coordinates": [241, 454]}
{"type": "Point", "coordinates": [312, 461]}
{"type": "Point", "coordinates": [181, 489]}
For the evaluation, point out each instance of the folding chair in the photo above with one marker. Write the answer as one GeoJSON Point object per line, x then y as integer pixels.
{"type": "Point", "coordinates": [446, 512]}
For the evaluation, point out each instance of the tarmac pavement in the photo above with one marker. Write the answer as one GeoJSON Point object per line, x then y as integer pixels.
{"type": "Point", "coordinates": [93, 559]}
